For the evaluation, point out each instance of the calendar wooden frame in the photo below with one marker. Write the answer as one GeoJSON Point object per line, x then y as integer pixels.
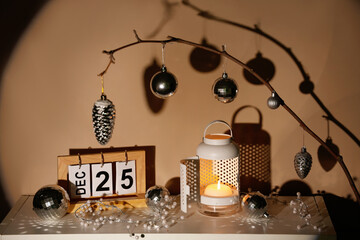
{"type": "Point", "coordinates": [108, 157]}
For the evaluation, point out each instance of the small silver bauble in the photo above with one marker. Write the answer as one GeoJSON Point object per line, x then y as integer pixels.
{"type": "Point", "coordinates": [163, 84]}
{"type": "Point", "coordinates": [255, 205]}
{"type": "Point", "coordinates": [274, 101]}
{"type": "Point", "coordinates": [225, 89]}
{"type": "Point", "coordinates": [156, 196]}
{"type": "Point", "coordinates": [302, 163]}
{"type": "Point", "coordinates": [51, 202]}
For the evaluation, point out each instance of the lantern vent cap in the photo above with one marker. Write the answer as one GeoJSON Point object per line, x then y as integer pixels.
{"type": "Point", "coordinates": [217, 139]}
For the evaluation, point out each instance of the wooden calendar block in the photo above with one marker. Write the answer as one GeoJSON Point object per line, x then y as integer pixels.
{"type": "Point", "coordinates": [149, 157]}
{"type": "Point", "coordinates": [106, 179]}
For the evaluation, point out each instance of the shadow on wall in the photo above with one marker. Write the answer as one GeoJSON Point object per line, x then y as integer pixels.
{"type": "Point", "coordinates": [292, 187]}
{"type": "Point", "coordinates": [15, 16]}
{"type": "Point", "coordinates": [5, 207]}
{"type": "Point", "coordinates": [154, 103]}
{"type": "Point", "coordinates": [255, 156]}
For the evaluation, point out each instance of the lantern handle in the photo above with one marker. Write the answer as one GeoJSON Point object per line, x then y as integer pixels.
{"type": "Point", "coordinates": [243, 107]}
{"type": "Point", "coordinates": [218, 121]}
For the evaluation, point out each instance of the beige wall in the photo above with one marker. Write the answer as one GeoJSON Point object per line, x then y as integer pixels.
{"type": "Point", "coordinates": [50, 84]}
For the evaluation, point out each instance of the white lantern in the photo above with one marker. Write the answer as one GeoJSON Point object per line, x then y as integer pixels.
{"type": "Point", "coordinates": [219, 173]}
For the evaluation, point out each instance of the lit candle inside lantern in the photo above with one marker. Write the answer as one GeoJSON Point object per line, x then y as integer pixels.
{"type": "Point", "coordinates": [218, 190]}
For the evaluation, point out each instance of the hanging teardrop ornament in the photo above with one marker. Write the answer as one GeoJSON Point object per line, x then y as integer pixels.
{"type": "Point", "coordinates": [203, 60]}
{"type": "Point", "coordinates": [262, 66]}
{"type": "Point", "coordinates": [225, 89]}
{"type": "Point", "coordinates": [103, 116]}
{"type": "Point", "coordinates": [302, 163]}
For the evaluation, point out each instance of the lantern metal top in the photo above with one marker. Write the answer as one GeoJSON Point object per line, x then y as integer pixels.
{"type": "Point", "coordinates": [217, 146]}
{"type": "Point", "coordinates": [217, 139]}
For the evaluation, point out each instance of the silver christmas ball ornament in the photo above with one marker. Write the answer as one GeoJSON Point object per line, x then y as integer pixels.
{"type": "Point", "coordinates": [155, 195]}
{"type": "Point", "coordinates": [274, 101]}
{"type": "Point", "coordinates": [302, 163]}
{"type": "Point", "coordinates": [103, 116]}
{"type": "Point", "coordinates": [51, 202]}
{"type": "Point", "coordinates": [225, 89]}
{"type": "Point", "coordinates": [163, 84]}
{"type": "Point", "coordinates": [255, 205]}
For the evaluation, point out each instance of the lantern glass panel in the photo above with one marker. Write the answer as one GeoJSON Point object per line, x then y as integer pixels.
{"type": "Point", "coordinates": [219, 186]}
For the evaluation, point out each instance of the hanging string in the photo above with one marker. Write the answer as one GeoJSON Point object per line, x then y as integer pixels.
{"type": "Point", "coordinates": [102, 84]}
{"type": "Point", "coordinates": [205, 27]}
{"type": "Point", "coordinates": [163, 54]}
{"type": "Point", "coordinates": [328, 128]}
{"type": "Point", "coordinates": [303, 136]}
{"type": "Point", "coordinates": [225, 60]}
{"type": "Point", "coordinates": [258, 39]}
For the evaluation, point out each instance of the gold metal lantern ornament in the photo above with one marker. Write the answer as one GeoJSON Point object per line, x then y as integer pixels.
{"type": "Point", "coordinates": [219, 173]}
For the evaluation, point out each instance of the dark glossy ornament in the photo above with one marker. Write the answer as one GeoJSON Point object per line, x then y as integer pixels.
{"type": "Point", "coordinates": [302, 163]}
{"type": "Point", "coordinates": [51, 202]}
{"type": "Point", "coordinates": [203, 60]}
{"type": "Point", "coordinates": [155, 104]}
{"type": "Point", "coordinates": [255, 205]}
{"type": "Point", "coordinates": [155, 195]}
{"type": "Point", "coordinates": [306, 87]}
{"type": "Point", "coordinates": [327, 161]}
{"type": "Point", "coordinates": [274, 101]}
{"type": "Point", "coordinates": [163, 84]}
{"type": "Point", "coordinates": [225, 89]}
{"type": "Point", "coordinates": [103, 115]}
{"type": "Point", "coordinates": [262, 66]}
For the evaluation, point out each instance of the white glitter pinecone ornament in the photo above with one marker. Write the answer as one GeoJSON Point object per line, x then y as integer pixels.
{"type": "Point", "coordinates": [103, 115]}
{"type": "Point", "coordinates": [302, 163]}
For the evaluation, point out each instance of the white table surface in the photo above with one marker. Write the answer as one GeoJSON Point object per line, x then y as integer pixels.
{"type": "Point", "coordinates": [23, 223]}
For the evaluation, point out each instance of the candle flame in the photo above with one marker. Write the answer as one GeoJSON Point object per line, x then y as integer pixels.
{"type": "Point", "coordinates": [218, 186]}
